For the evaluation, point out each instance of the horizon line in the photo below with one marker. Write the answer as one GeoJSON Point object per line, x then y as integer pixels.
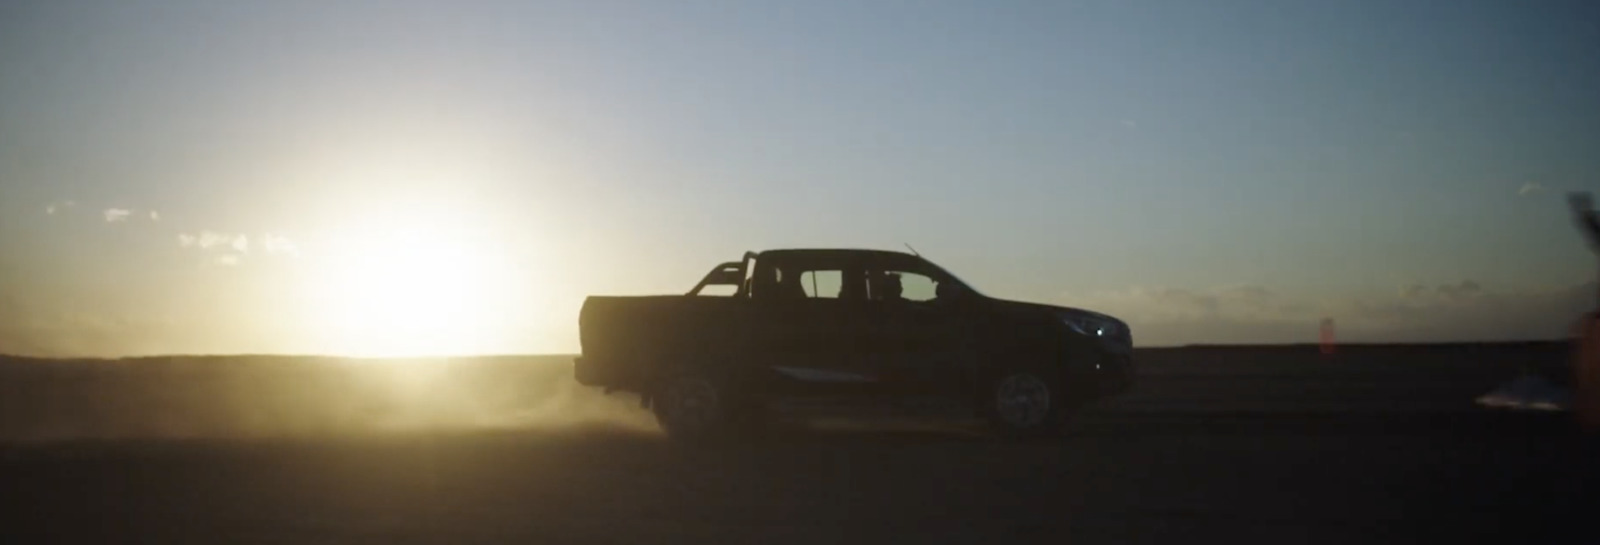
{"type": "Point", "coordinates": [1307, 344]}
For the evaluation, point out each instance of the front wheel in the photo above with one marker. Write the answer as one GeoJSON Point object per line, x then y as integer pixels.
{"type": "Point", "coordinates": [1027, 403]}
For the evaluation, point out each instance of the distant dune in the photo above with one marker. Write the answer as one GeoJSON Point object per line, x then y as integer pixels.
{"type": "Point", "coordinates": [273, 396]}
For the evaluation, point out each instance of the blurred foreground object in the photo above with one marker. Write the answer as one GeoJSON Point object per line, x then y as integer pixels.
{"type": "Point", "coordinates": [1586, 373]}
{"type": "Point", "coordinates": [1543, 390]}
{"type": "Point", "coordinates": [1528, 392]}
{"type": "Point", "coordinates": [1585, 367]}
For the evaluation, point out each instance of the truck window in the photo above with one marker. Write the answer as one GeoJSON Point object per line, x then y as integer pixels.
{"type": "Point", "coordinates": [822, 284]}
{"type": "Point", "coordinates": [914, 287]}
{"type": "Point", "coordinates": [917, 287]}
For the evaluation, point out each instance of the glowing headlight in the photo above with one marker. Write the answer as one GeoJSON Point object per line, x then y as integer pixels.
{"type": "Point", "coordinates": [1090, 326]}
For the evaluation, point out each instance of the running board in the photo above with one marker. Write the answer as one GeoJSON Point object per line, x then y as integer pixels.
{"type": "Point", "coordinates": [853, 407]}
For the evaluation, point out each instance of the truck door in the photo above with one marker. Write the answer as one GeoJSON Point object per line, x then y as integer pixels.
{"type": "Point", "coordinates": [926, 347]}
{"type": "Point", "coordinates": [811, 332]}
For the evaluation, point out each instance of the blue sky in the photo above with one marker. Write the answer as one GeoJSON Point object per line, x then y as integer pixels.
{"type": "Point", "coordinates": [1224, 171]}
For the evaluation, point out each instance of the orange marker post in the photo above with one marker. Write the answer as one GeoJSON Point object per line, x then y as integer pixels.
{"type": "Point", "coordinates": [1327, 337]}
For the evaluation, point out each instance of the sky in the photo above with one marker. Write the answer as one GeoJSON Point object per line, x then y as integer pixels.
{"type": "Point", "coordinates": [191, 176]}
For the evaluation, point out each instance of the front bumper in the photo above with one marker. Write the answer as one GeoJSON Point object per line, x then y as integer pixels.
{"type": "Point", "coordinates": [1114, 374]}
{"type": "Point", "coordinates": [1111, 368]}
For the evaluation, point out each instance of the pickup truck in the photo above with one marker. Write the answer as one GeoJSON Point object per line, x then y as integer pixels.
{"type": "Point", "coordinates": [792, 329]}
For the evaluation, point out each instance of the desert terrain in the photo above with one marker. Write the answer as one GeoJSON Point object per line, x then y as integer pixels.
{"type": "Point", "coordinates": [1377, 444]}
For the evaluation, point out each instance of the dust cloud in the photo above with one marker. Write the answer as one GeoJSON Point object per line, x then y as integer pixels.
{"type": "Point", "coordinates": [282, 396]}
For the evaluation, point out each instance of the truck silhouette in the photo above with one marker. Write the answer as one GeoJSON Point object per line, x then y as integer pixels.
{"type": "Point", "coordinates": [851, 332]}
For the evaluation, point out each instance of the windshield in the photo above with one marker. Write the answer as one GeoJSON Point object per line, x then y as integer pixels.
{"type": "Point", "coordinates": [944, 275]}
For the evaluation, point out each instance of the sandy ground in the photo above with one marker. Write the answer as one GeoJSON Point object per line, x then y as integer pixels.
{"type": "Point", "coordinates": [1212, 447]}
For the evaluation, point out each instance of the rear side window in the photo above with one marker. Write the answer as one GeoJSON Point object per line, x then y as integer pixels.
{"type": "Point", "coordinates": [823, 284]}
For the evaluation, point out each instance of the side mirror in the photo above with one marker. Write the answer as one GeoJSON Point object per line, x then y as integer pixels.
{"type": "Point", "coordinates": [947, 291]}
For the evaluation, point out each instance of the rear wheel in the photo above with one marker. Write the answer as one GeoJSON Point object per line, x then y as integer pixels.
{"type": "Point", "coordinates": [697, 408]}
{"type": "Point", "coordinates": [689, 407]}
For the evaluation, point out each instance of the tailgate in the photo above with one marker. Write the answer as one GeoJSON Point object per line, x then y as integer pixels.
{"type": "Point", "coordinates": [625, 339]}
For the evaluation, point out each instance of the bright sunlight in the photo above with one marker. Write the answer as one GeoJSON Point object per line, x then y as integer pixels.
{"type": "Point", "coordinates": [404, 283]}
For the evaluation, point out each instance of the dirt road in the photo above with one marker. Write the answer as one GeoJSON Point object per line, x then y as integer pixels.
{"type": "Point", "coordinates": [1236, 453]}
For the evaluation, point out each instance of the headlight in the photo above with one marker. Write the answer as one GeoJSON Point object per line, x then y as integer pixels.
{"type": "Point", "coordinates": [1090, 326]}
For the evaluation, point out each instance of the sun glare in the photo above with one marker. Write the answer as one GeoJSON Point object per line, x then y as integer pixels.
{"type": "Point", "coordinates": [410, 287]}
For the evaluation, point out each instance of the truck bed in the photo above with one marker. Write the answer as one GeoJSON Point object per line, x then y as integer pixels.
{"type": "Point", "coordinates": [625, 339]}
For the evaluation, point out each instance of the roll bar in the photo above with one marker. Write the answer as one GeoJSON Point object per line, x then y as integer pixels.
{"type": "Point", "coordinates": [731, 273]}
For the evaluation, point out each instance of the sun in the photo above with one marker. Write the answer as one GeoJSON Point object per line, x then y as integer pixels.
{"type": "Point", "coordinates": [410, 286]}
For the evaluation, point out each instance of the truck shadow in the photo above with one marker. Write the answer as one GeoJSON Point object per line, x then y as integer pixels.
{"type": "Point", "coordinates": [1485, 424]}
{"type": "Point", "coordinates": [794, 432]}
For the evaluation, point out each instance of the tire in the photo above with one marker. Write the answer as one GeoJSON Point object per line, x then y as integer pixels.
{"type": "Point", "coordinates": [690, 408]}
{"type": "Point", "coordinates": [1028, 403]}
{"type": "Point", "coordinates": [700, 409]}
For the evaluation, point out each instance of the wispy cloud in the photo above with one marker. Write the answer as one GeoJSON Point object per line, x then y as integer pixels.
{"type": "Point", "coordinates": [114, 215]}
{"type": "Point", "coordinates": [58, 207]}
{"type": "Point", "coordinates": [1464, 290]}
{"type": "Point", "coordinates": [228, 260]}
{"type": "Point", "coordinates": [235, 246]}
{"type": "Point", "coordinates": [278, 245]}
{"type": "Point", "coordinates": [1530, 188]}
{"type": "Point", "coordinates": [210, 239]}
{"type": "Point", "coordinates": [207, 240]}
{"type": "Point", "coordinates": [155, 216]}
